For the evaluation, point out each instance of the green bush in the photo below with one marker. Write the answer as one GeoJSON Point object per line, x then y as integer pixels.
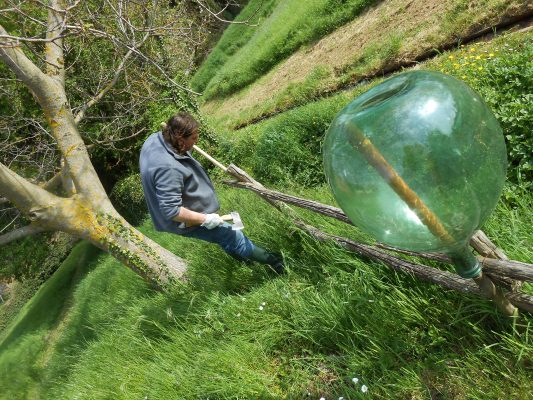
{"type": "Point", "coordinates": [128, 198]}
{"type": "Point", "coordinates": [502, 72]}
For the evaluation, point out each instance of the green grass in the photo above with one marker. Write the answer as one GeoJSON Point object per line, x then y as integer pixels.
{"type": "Point", "coordinates": [234, 37]}
{"type": "Point", "coordinates": [289, 26]}
{"type": "Point", "coordinates": [285, 149]}
{"type": "Point", "coordinates": [379, 52]}
{"type": "Point", "coordinates": [96, 331]}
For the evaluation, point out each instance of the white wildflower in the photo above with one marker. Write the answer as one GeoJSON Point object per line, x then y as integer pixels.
{"type": "Point", "coordinates": [263, 303]}
{"type": "Point", "coordinates": [322, 398]}
{"type": "Point", "coordinates": [355, 380]}
{"type": "Point", "coordinates": [364, 388]}
{"type": "Point", "coordinates": [260, 308]}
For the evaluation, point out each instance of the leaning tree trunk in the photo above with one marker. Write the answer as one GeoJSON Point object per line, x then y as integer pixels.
{"type": "Point", "coordinates": [101, 225]}
{"type": "Point", "coordinates": [87, 213]}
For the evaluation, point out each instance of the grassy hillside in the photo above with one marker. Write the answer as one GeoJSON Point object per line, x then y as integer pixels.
{"type": "Point", "coordinates": [500, 70]}
{"type": "Point", "coordinates": [389, 35]}
{"type": "Point", "coordinates": [95, 331]}
{"type": "Point", "coordinates": [335, 322]}
{"type": "Point", "coordinates": [290, 25]}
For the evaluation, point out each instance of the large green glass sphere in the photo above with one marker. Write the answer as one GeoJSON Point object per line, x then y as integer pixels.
{"type": "Point", "coordinates": [418, 161]}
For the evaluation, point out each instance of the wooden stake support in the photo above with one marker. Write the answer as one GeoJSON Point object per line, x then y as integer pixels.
{"type": "Point", "coordinates": [494, 262]}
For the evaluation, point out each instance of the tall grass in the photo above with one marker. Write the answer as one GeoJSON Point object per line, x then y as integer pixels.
{"type": "Point", "coordinates": [286, 149]}
{"type": "Point", "coordinates": [102, 333]}
{"type": "Point", "coordinates": [292, 24]}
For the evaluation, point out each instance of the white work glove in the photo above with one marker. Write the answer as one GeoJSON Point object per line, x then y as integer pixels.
{"type": "Point", "coordinates": [212, 221]}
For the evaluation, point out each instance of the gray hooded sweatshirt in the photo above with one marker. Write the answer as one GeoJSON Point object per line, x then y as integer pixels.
{"type": "Point", "coordinates": [171, 181]}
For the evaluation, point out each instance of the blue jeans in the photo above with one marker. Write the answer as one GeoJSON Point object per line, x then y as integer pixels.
{"type": "Point", "coordinates": [232, 242]}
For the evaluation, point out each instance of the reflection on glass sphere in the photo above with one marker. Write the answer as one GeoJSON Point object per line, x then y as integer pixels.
{"type": "Point", "coordinates": [418, 161]}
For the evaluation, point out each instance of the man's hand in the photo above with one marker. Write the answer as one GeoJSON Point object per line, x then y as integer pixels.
{"type": "Point", "coordinates": [212, 221]}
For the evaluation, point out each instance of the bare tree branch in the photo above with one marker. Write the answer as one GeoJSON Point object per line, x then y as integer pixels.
{"type": "Point", "coordinates": [79, 116]}
{"type": "Point", "coordinates": [217, 14]}
{"type": "Point", "coordinates": [20, 233]}
{"type": "Point", "coordinates": [114, 39]}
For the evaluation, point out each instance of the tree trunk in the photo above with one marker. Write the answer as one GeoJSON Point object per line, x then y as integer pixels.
{"type": "Point", "coordinates": [115, 235]}
{"type": "Point", "coordinates": [101, 225]}
{"type": "Point", "coordinates": [87, 213]}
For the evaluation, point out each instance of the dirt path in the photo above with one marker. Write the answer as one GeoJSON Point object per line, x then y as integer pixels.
{"type": "Point", "coordinates": [408, 27]}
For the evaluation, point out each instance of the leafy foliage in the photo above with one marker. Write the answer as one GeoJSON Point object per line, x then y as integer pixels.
{"type": "Point", "coordinates": [128, 198]}
{"type": "Point", "coordinates": [502, 72]}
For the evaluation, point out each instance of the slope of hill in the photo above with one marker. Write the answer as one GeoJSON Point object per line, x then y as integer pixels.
{"type": "Point", "coordinates": [389, 35]}
{"type": "Point", "coordinates": [336, 325]}
{"type": "Point", "coordinates": [96, 331]}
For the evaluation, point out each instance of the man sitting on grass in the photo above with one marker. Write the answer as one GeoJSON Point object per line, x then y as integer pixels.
{"type": "Point", "coordinates": [181, 198]}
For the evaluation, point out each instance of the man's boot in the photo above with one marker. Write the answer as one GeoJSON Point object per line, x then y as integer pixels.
{"type": "Point", "coordinates": [264, 257]}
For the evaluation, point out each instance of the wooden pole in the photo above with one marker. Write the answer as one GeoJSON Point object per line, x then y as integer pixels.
{"type": "Point", "coordinates": [219, 165]}
{"type": "Point", "coordinates": [415, 203]}
{"type": "Point", "coordinates": [505, 268]}
{"type": "Point", "coordinates": [394, 180]}
{"type": "Point", "coordinates": [429, 274]}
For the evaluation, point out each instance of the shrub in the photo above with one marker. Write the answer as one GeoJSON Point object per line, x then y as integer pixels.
{"type": "Point", "coordinates": [128, 198]}
{"type": "Point", "coordinates": [502, 72]}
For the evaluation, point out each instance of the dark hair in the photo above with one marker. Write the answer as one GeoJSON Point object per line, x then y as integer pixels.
{"type": "Point", "coordinates": [181, 125]}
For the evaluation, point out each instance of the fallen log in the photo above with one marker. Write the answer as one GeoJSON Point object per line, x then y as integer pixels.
{"type": "Point", "coordinates": [442, 278]}
{"type": "Point", "coordinates": [501, 267]}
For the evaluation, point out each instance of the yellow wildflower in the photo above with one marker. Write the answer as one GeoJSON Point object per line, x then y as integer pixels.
{"type": "Point", "coordinates": [491, 54]}
{"type": "Point", "coordinates": [478, 57]}
{"type": "Point", "coordinates": [451, 57]}
{"type": "Point", "coordinates": [455, 65]}
{"type": "Point", "coordinates": [480, 68]}
{"type": "Point", "coordinates": [472, 49]}
{"type": "Point", "coordinates": [464, 76]}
